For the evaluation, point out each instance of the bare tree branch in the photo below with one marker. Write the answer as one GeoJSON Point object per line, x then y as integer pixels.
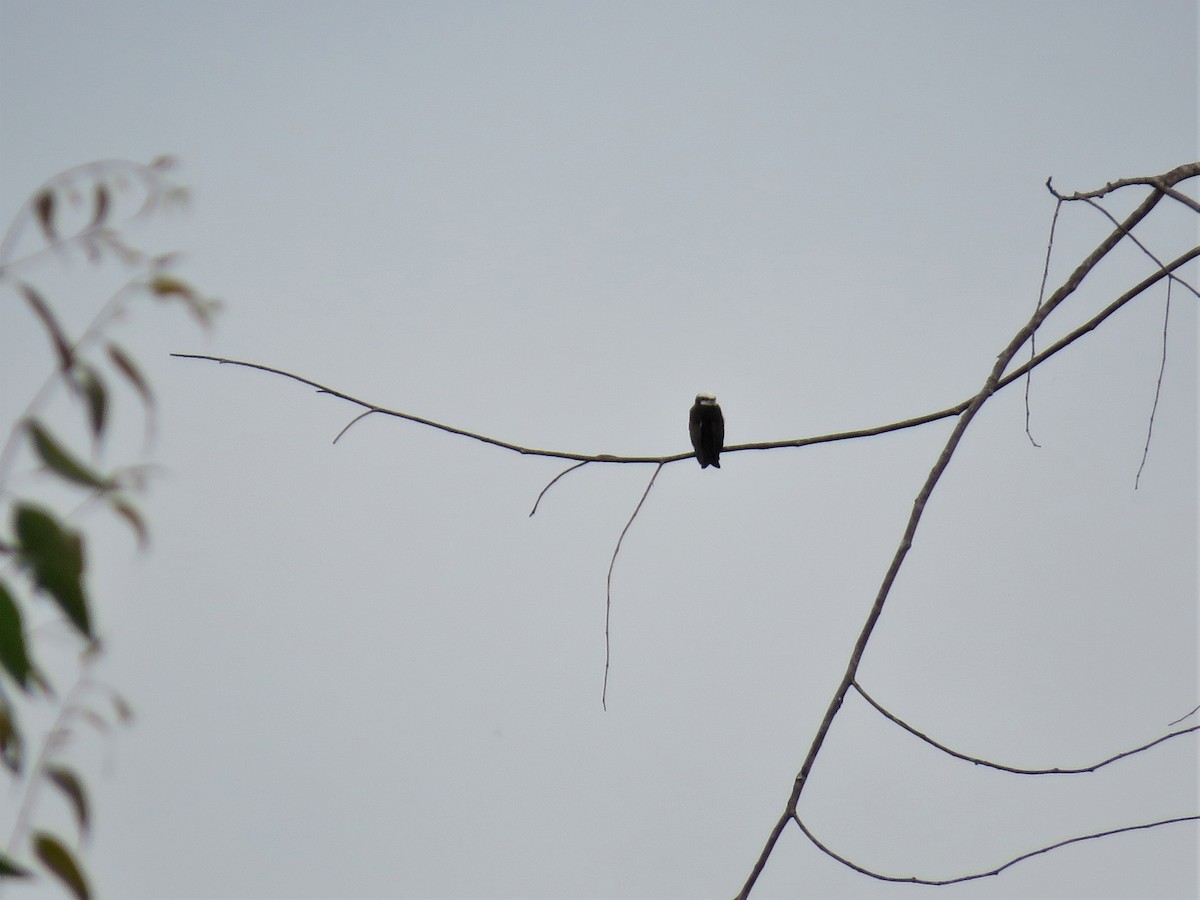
{"type": "Point", "coordinates": [990, 386]}
{"type": "Point", "coordinates": [1013, 769]}
{"type": "Point", "coordinates": [939, 882]}
{"type": "Point", "coordinates": [608, 584]}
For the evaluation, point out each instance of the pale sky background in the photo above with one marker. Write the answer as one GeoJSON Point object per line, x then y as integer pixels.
{"type": "Point", "coordinates": [363, 671]}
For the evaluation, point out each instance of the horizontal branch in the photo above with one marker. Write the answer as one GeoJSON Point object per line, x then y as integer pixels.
{"type": "Point", "coordinates": [939, 882]}
{"type": "Point", "coordinates": [1013, 769]}
{"type": "Point", "coordinates": [948, 412]}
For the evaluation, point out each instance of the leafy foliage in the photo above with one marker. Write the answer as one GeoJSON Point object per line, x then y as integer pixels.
{"type": "Point", "coordinates": [43, 550]}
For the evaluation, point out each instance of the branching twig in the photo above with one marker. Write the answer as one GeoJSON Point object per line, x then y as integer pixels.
{"type": "Point", "coordinates": [1013, 769]}
{"type": "Point", "coordinates": [608, 583]}
{"type": "Point", "coordinates": [912, 879]}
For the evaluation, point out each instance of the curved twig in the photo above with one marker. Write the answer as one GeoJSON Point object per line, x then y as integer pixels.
{"type": "Point", "coordinates": [1162, 369]}
{"type": "Point", "coordinates": [542, 493]}
{"type": "Point", "coordinates": [1013, 769]}
{"type": "Point", "coordinates": [1040, 299]}
{"type": "Point", "coordinates": [608, 584]}
{"type": "Point", "coordinates": [939, 882]}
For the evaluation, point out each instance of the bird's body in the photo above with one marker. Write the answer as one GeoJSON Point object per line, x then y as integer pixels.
{"type": "Point", "coordinates": [706, 425]}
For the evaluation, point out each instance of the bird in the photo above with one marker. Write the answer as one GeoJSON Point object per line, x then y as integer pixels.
{"type": "Point", "coordinates": [707, 428]}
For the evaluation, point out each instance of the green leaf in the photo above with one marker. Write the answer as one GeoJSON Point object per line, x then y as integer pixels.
{"type": "Point", "coordinates": [61, 462]}
{"type": "Point", "coordinates": [59, 860]}
{"type": "Point", "coordinates": [13, 654]}
{"type": "Point", "coordinates": [43, 207]}
{"type": "Point", "coordinates": [68, 782]}
{"type": "Point", "coordinates": [88, 384]}
{"type": "Point", "coordinates": [58, 337]}
{"type": "Point", "coordinates": [54, 557]}
{"type": "Point", "coordinates": [10, 869]}
{"type": "Point", "coordinates": [11, 743]}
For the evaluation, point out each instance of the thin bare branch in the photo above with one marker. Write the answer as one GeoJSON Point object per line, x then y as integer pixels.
{"type": "Point", "coordinates": [1164, 183]}
{"type": "Point", "coordinates": [449, 429]}
{"type": "Point", "coordinates": [543, 491]}
{"type": "Point", "coordinates": [1137, 241]}
{"type": "Point", "coordinates": [937, 882]}
{"type": "Point", "coordinates": [352, 422]}
{"type": "Point", "coordinates": [608, 584]}
{"type": "Point", "coordinates": [1013, 769]}
{"type": "Point", "coordinates": [1186, 715]}
{"type": "Point", "coordinates": [1041, 298]}
{"type": "Point", "coordinates": [1162, 368]}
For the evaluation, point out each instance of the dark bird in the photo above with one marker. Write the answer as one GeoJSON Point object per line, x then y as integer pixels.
{"type": "Point", "coordinates": [707, 427]}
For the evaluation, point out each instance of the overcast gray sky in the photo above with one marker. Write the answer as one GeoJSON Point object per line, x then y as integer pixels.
{"type": "Point", "coordinates": [363, 671]}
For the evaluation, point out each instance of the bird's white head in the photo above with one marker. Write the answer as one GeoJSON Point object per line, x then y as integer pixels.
{"type": "Point", "coordinates": [706, 399]}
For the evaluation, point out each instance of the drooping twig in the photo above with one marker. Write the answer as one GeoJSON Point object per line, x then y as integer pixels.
{"type": "Point", "coordinates": [939, 882]}
{"type": "Point", "coordinates": [542, 492]}
{"type": "Point", "coordinates": [1162, 368]}
{"type": "Point", "coordinates": [1040, 299]}
{"type": "Point", "coordinates": [608, 584]}
{"type": "Point", "coordinates": [1013, 769]}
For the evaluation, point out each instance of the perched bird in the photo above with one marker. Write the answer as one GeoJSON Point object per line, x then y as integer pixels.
{"type": "Point", "coordinates": [707, 427]}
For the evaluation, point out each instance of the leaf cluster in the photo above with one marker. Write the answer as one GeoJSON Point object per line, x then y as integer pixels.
{"type": "Point", "coordinates": [43, 551]}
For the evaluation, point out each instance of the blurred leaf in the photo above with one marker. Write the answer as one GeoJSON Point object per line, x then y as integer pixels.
{"type": "Point", "coordinates": [10, 869]}
{"type": "Point", "coordinates": [54, 556]}
{"type": "Point", "coordinates": [163, 163]}
{"type": "Point", "coordinates": [12, 640]}
{"type": "Point", "coordinates": [62, 347]}
{"type": "Point", "coordinates": [59, 860]}
{"type": "Point", "coordinates": [62, 463]}
{"type": "Point", "coordinates": [129, 513]}
{"type": "Point", "coordinates": [122, 708]}
{"type": "Point", "coordinates": [43, 206]}
{"type": "Point", "coordinates": [126, 366]}
{"type": "Point", "coordinates": [100, 211]}
{"type": "Point", "coordinates": [68, 782]}
{"type": "Point", "coordinates": [11, 743]}
{"type": "Point", "coordinates": [170, 287]}
{"type": "Point", "coordinates": [90, 386]}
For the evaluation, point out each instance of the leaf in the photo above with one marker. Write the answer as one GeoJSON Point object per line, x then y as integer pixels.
{"type": "Point", "coordinates": [170, 287]}
{"type": "Point", "coordinates": [126, 366]}
{"type": "Point", "coordinates": [122, 708]}
{"type": "Point", "coordinates": [129, 513]}
{"type": "Point", "coordinates": [43, 206]}
{"type": "Point", "coordinates": [90, 386]}
{"type": "Point", "coordinates": [54, 556]}
{"type": "Point", "coordinates": [68, 782]}
{"type": "Point", "coordinates": [10, 869]}
{"type": "Point", "coordinates": [62, 347]}
{"type": "Point", "coordinates": [62, 463]}
{"type": "Point", "coordinates": [11, 743]}
{"type": "Point", "coordinates": [13, 654]}
{"type": "Point", "coordinates": [59, 860]}
{"type": "Point", "coordinates": [100, 211]}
